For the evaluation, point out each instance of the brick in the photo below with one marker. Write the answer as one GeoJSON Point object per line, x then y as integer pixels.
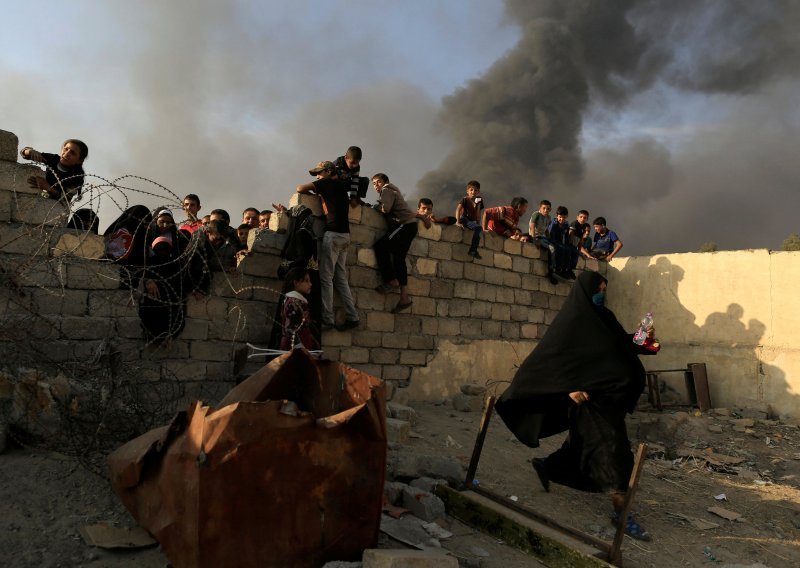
{"type": "Point", "coordinates": [459, 308]}
{"type": "Point", "coordinates": [491, 329]}
{"type": "Point", "coordinates": [441, 251]}
{"type": "Point", "coordinates": [529, 331]}
{"type": "Point", "coordinates": [556, 302]}
{"type": "Point", "coordinates": [501, 312]}
{"type": "Point", "coordinates": [402, 412]}
{"type": "Point", "coordinates": [368, 299]}
{"type": "Point", "coordinates": [471, 328]}
{"type": "Point", "coordinates": [540, 299]}
{"type": "Point", "coordinates": [424, 307]}
{"type": "Point", "coordinates": [334, 338]}
{"type": "Point", "coordinates": [212, 350]}
{"type": "Point", "coordinates": [92, 275]}
{"type": "Point", "coordinates": [366, 257]}
{"type": "Point", "coordinates": [464, 289]}
{"type": "Point", "coordinates": [366, 338]}
{"type": "Point", "coordinates": [195, 329]}
{"type": "Point", "coordinates": [512, 246]}
{"type": "Point", "coordinates": [502, 261]}
{"type": "Point", "coordinates": [512, 279]}
{"type": "Point", "coordinates": [397, 430]}
{"type": "Point", "coordinates": [67, 302]}
{"type": "Point", "coordinates": [364, 235]}
{"type": "Point", "coordinates": [352, 355]}
{"type": "Point", "coordinates": [441, 289]}
{"type": "Point", "coordinates": [546, 287]}
{"type": "Point", "coordinates": [112, 303]}
{"type": "Point", "coordinates": [22, 239]}
{"type": "Point", "coordinates": [405, 558]}
{"type": "Point", "coordinates": [266, 242]}
{"type": "Point", "coordinates": [486, 292]}
{"type": "Point", "coordinates": [372, 370]}
{"type": "Point", "coordinates": [426, 266]}
{"type": "Point", "coordinates": [529, 282]}
{"type": "Point", "coordinates": [519, 264]}
{"type": "Point", "coordinates": [539, 268]}
{"type": "Point", "coordinates": [549, 316]}
{"type": "Point", "coordinates": [493, 241]}
{"type": "Point", "coordinates": [535, 315]}
{"type": "Point", "coordinates": [430, 326]}
{"type": "Point", "coordinates": [372, 218]}
{"type": "Point", "coordinates": [467, 403]}
{"type": "Point", "coordinates": [9, 147]}
{"type": "Point", "coordinates": [520, 313]}
{"type": "Point", "coordinates": [442, 309]}
{"type": "Point", "coordinates": [461, 253]}
{"type": "Point", "coordinates": [378, 321]}
{"type": "Point", "coordinates": [362, 277]}
{"type": "Point", "coordinates": [422, 504]}
{"type": "Point", "coordinates": [432, 233]}
{"type": "Point", "coordinates": [413, 358]}
{"type": "Point", "coordinates": [396, 373]}
{"type": "Point", "coordinates": [130, 327]}
{"type": "Point", "coordinates": [451, 269]}
{"type": "Point", "coordinates": [14, 177]}
{"type": "Point", "coordinates": [509, 330]}
{"type": "Point", "coordinates": [407, 323]}
{"type": "Point", "coordinates": [563, 288]}
{"type": "Point", "coordinates": [452, 234]}
{"type": "Point", "coordinates": [258, 264]}
{"type": "Point", "coordinates": [480, 309]}
{"type": "Point", "coordinates": [5, 206]}
{"type": "Point", "coordinates": [522, 297]}
{"type": "Point", "coordinates": [421, 342]}
{"type": "Point", "coordinates": [313, 202]}
{"type": "Point", "coordinates": [279, 221]}
{"type": "Point", "coordinates": [530, 250]}
{"type": "Point", "coordinates": [418, 286]}
{"type": "Point", "coordinates": [395, 340]}
{"type": "Point", "coordinates": [505, 295]}
{"type": "Point", "coordinates": [353, 215]}
{"type": "Point", "coordinates": [34, 210]}
{"type": "Point", "coordinates": [83, 327]}
{"type": "Point", "coordinates": [474, 272]}
{"type": "Point", "coordinates": [419, 247]}
{"type": "Point", "coordinates": [184, 370]}
{"type": "Point", "coordinates": [494, 276]}
{"type": "Point", "coordinates": [449, 327]}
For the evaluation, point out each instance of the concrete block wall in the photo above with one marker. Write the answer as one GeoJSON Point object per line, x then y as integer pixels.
{"type": "Point", "coordinates": [64, 301]}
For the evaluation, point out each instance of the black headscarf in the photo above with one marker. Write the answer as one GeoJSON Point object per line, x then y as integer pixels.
{"type": "Point", "coordinates": [584, 349]}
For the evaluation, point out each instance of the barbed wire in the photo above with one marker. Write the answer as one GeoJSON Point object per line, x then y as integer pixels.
{"type": "Point", "coordinates": [84, 396]}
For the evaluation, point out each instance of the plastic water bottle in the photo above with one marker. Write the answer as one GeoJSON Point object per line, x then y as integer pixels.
{"type": "Point", "coordinates": [641, 333]}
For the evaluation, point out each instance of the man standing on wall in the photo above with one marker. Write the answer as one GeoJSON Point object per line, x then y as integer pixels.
{"type": "Point", "coordinates": [333, 252]}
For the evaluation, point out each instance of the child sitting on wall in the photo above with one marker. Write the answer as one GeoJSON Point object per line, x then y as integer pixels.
{"type": "Point", "coordinates": [504, 220]}
{"type": "Point", "coordinates": [64, 175]}
{"type": "Point", "coordinates": [425, 211]}
{"type": "Point", "coordinates": [468, 215]}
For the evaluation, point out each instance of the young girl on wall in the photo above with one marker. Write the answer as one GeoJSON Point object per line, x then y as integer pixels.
{"type": "Point", "coordinates": [296, 322]}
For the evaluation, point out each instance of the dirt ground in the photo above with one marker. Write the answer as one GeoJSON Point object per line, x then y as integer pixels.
{"type": "Point", "coordinates": [674, 493]}
{"type": "Point", "coordinates": [46, 497]}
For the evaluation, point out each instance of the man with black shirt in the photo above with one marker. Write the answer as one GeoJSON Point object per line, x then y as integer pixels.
{"type": "Point", "coordinates": [333, 252]}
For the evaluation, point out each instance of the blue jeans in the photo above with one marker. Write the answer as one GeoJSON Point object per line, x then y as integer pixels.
{"type": "Point", "coordinates": [333, 274]}
{"type": "Point", "coordinates": [476, 229]}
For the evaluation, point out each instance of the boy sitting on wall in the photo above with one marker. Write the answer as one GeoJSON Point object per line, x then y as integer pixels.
{"type": "Point", "coordinates": [504, 220]}
{"type": "Point", "coordinates": [606, 242]}
{"type": "Point", "coordinates": [468, 215]}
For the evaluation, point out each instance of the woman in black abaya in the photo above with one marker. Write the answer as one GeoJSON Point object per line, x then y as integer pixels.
{"type": "Point", "coordinates": [584, 376]}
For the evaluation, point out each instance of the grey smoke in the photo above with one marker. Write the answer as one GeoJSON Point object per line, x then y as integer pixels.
{"type": "Point", "coordinates": [518, 128]}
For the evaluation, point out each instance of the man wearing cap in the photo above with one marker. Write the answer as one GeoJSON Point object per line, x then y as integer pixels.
{"type": "Point", "coordinates": [333, 254]}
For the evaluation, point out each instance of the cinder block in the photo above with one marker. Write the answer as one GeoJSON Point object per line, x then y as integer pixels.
{"type": "Point", "coordinates": [493, 242]}
{"type": "Point", "coordinates": [474, 272]}
{"type": "Point", "coordinates": [529, 282]}
{"type": "Point", "coordinates": [418, 358]}
{"type": "Point", "coordinates": [35, 210]}
{"type": "Point", "coordinates": [432, 233]}
{"type": "Point", "coordinates": [396, 373]}
{"type": "Point", "coordinates": [372, 218]}
{"type": "Point", "coordinates": [486, 292]}
{"type": "Point", "coordinates": [195, 329]}
{"type": "Point", "coordinates": [459, 308]}
{"type": "Point", "coordinates": [493, 276]}
{"type": "Point", "coordinates": [453, 234]}
{"type": "Point", "coordinates": [529, 331]}
{"type": "Point", "coordinates": [449, 327]}
{"type": "Point", "coordinates": [481, 309]}
{"type": "Point", "coordinates": [212, 350]}
{"type": "Point", "coordinates": [501, 312]}
{"type": "Point", "coordinates": [128, 327]}
{"type": "Point", "coordinates": [418, 286]}
{"type": "Point", "coordinates": [14, 177]}
{"type": "Point", "coordinates": [9, 146]}
{"type": "Point", "coordinates": [259, 264]}
{"type": "Point", "coordinates": [366, 338]}
{"type": "Point", "coordinates": [354, 214]}
{"type": "Point", "coordinates": [519, 264]}
{"type": "Point", "coordinates": [512, 279]}
{"type": "Point", "coordinates": [421, 342]}
{"type": "Point", "coordinates": [86, 327]}
{"type": "Point", "coordinates": [384, 356]}
{"type": "Point", "coordinates": [266, 241]}
{"type": "Point", "coordinates": [395, 341]}
{"type": "Point", "coordinates": [522, 297]}
{"type": "Point", "coordinates": [366, 256]}
{"type": "Point", "coordinates": [61, 301]}
{"type": "Point", "coordinates": [419, 248]}
{"type": "Point", "coordinates": [491, 329]}
{"type": "Point", "coordinates": [464, 289]}
{"type": "Point", "coordinates": [79, 244]}
{"type": "Point", "coordinates": [461, 254]}
{"type": "Point", "coordinates": [424, 307]}
{"type": "Point", "coordinates": [426, 266]}
{"type": "Point", "coordinates": [279, 221]}
{"type": "Point", "coordinates": [404, 558]}
{"type": "Point", "coordinates": [441, 289]}
{"type": "Point", "coordinates": [502, 261]}
{"type": "Point", "coordinates": [92, 275]}
{"type": "Point", "coordinates": [467, 403]}
{"type": "Point", "coordinates": [509, 330]}
{"type": "Point", "coordinates": [397, 430]}
{"type": "Point", "coordinates": [423, 505]}
{"type": "Point", "coordinates": [402, 412]}
{"type": "Point", "coordinates": [5, 205]}
{"type": "Point", "coordinates": [535, 315]}
{"type": "Point", "coordinates": [549, 316]}
{"type": "Point", "coordinates": [430, 326]}
{"type": "Point", "coordinates": [512, 246]}
{"type": "Point", "coordinates": [439, 250]}
{"type": "Point", "coordinates": [364, 235]}
{"type": "Point", "coordinates": [378, 321]}
{"type": "Point", "coordinates": [530, 250]}
{"type": "Point", "coordinates": [368, 299]}
{"type": "Point", "coordinates": [556, 302]}
{"type": "Point", "coordinates": [353, 355]}
{"type": "Point", "coordinates": [313, 202]}
{"type": "Point", "coordinates": [23, 239]}
{"type": "Point", "coordinates": [451, 269]}
{"type": "Point", "coordinates": [519, 313]}
{"type": "Point", "coordinates": [363, 277]}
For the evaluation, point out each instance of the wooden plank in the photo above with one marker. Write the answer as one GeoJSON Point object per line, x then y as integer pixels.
{"type": "Point", "coordinates": [478, 448]}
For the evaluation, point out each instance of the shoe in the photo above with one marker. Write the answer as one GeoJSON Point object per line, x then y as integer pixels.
{"type": "Point", "coordinates": [474, 253]}
{"type": "Point", "coordinates": [632, 528]}
{"type": "Point", "coordinates": [326, 326]}
{"type": "Point", "coordinates": [538, 466]}
{"type": "Point", "coordinates": [552, 278]}
{"type": "Point", "coordinates": [571, 274]}
{"type": "Point", "coordinates": [401, 307]}
{"type": "Point", "coordinates": [347, 324]}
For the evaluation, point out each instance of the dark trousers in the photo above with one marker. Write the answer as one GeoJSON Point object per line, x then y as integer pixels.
{"type": "Point", "coordinates": [391, 250]}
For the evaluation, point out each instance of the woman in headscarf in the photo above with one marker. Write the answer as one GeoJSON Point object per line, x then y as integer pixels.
{"type": "Point", "coordinates": [583, 376]}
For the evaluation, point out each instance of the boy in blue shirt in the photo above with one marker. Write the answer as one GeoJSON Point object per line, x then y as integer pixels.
{"type": "Point", "coordinates": [566, 256]}
{"type": "Point", "coordinates": [606, 242]}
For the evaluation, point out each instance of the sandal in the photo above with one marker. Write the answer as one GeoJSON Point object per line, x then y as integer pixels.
{"type": "Point", "coordinates": [401, 307]}
{"type": "Point", "coordinates": [632, 528]}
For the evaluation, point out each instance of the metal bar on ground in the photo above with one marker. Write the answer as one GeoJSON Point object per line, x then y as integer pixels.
{"type": "Point", "coordinates": [488, 407]}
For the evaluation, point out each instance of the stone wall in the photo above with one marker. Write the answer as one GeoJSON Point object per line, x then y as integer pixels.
{"type": "Point", "coordinates": [734, 310]}
{"type": "Point", "coordinates": [472, 319]}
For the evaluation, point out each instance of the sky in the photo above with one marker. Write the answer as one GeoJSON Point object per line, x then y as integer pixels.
{"type": "Point", "coordinates": [676, 120]}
